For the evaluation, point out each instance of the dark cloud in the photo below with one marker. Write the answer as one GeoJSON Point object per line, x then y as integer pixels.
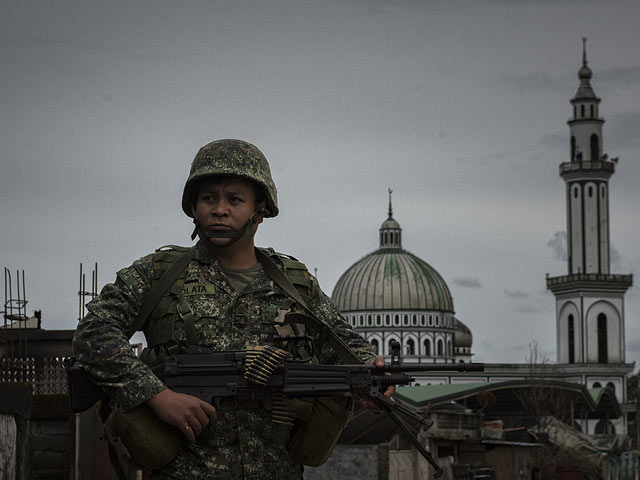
{"type": "Point", "coordinates": [538, 81]}
{"type": "Point", "coordinates": [558, 244]}
{"type": "Point", "coordinates": [614, 259]}
{"type": "Point", "coordinates": [620, 75]}
{"type": "Point", "coordinates": [555, 140]}
{"type": "Point", "coordinates": [467, 282]}
{"type": "Point", "coordinates": [516, 294]}
{"type": "Point", "coordinates": [527, 309]}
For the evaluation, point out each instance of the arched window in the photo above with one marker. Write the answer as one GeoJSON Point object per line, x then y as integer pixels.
{"type": "Point", "coordinates": [574, 112]}
{"type": "Point", "coordinates": [573, 148]}
{"type": "Point", "coordinates": [596, 385]}
{"type": "Point", "coordinates": [375, 346]}
{"type": "Point", "coordinates": [595, 147]}
{"type": "Point", "coordinates": [575, 192]}
{"type": "Point", "coordinates": [611, 386]}
{"type": "Point", "coordinates": [605, 427]}
{"type": "Point", "coordinates": [406, 319]}
{"type": "Point", "coordinates": [603, 354]}
{"type": "Point", "coordinates": [449, 348]}
{"type": "Point", "coordinates": [440, 347]}
{"type": "Point", "coordinates": [582, 111]}
{"type": "Point", "coordinates": [396, 319]}
{"type": "Point", "coordinates": [590, 191]}
{"type": "Point", "coordinates": [591, 111]}
{"type": "Point", "coordinates": [427, 348]}
{"type": "Point", "coordinates": [571, 334]}
{"type": "Point", "coordinates": [411, 347]}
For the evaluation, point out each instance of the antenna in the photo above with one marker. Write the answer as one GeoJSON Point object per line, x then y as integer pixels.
{"type": "Point", "coordinates": [83, 293]}
{"type": "Point", "coordinates": [15, 315]}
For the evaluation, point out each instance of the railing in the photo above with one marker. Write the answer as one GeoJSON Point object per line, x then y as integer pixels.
{"type": "Point", "coordinates": [46, 374]}
{"type": "Point", "coordinates": [578, 165]}
{"type": "Point", "coordinates": [590, 277]}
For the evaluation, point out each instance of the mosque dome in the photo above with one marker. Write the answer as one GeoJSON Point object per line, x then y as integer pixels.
{"type": "Point", "coordinates": [463, 337]}
{"type": "Point", "coordinates": [392, 297]}
{"type": "Point", "coordinates": [391, 278]}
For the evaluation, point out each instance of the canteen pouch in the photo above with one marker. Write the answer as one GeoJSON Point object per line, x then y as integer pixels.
{"type": "Point", "coordinates": [319, 430]}
{"type": "Point", "coordinates": [141, 436]}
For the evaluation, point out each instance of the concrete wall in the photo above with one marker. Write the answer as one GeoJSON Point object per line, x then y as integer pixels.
{"type": "Point", "coordinates": [353, 462]}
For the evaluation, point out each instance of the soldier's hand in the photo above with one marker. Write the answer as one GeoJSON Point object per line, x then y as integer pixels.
{"type": "Point", "coordinates": [187, 413]}
{"type": "Point", "coordinates": [391, 389]}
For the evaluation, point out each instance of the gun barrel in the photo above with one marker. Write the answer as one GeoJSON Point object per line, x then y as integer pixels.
{"type": "Point", "coordinates": [434, 367]}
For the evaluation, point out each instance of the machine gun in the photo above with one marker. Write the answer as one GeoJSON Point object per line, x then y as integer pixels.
{"type": "Point", "coordinates": [270, 376]}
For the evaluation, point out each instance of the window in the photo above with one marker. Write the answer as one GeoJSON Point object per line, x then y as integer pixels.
{"type": "Point", "coordinates": [590, 191]}
{"type": "Point", "coordinates": [411, 347]}
{"type": "Point", "coordinates": [573, 148]}
{"type": "Point", "coordinates": [595, 148]}
{"type": "Point", "coordinates": [591, 111]}
{"type": "Point", "coordinates": [571, 334]}
{"type": "Point", "coordinates": [575, 192]}
{"type": "Point", "coordinates": [375, 346]}
{"type": "Point", "coordinates": [596, 385]}
{"type": "Point", "coordinates": [396, 319]}
{"type": "Point", "coordinates": [440, 347]}
{"type": "Point", "coordinates": [605, 427]}
{"type": "Point", "coordinates": [406, 320]}
{"type": "Point", "coordinates": [603, 354]}
{"type": "Point", "coordinates": [582, 111]}
{"type": "Point", "coordinates": [427, 347]}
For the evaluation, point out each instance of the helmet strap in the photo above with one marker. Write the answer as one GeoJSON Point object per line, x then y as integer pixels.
{"type": "Point", "coordinates": [232, 235]}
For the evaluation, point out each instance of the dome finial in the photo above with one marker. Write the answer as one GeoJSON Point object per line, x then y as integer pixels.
{"type": "Point", "coordinates": [390, 209]}
{"type": "Point", "coordinates": [584, 51]}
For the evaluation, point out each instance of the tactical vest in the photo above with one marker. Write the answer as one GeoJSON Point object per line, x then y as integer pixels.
{"type": "Point", "coordinates": [172, 306]}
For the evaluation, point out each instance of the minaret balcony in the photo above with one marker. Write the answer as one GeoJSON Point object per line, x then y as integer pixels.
{"type": "Point", "coordinates": [585, 282]}
{"type": "Point", "coordinates": [601, 168]}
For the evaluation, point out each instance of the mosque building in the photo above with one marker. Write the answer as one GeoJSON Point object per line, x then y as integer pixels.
{"type": "Point", "coordinates": [392, 295]}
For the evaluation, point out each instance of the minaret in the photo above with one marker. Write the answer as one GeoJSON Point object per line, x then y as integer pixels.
{"type": "Point", "coordinates": [589, 300]}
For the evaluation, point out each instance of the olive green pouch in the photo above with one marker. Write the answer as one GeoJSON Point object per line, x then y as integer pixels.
{"type": "Point", "coordinates": [321, 426]}
{"type": "Point", "coordinates": [140, 435]}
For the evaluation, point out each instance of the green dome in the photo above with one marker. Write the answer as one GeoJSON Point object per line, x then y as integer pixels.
{"type": "Point", "coordinates": [391, 279]}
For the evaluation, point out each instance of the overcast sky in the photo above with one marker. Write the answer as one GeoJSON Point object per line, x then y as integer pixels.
{"type": "Point", "coordinates": [459, 107]}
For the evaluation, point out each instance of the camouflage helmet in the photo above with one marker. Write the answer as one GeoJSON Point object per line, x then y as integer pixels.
{"type": "Point", "coordinates": [231, 158]}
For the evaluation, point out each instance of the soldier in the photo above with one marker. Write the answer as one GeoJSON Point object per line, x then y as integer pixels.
{"type": "Point", "coordinates": [223, 300]}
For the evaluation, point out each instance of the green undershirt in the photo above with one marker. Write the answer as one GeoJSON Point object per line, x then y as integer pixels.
{"type": "Point", "coordinates": [241, 277]}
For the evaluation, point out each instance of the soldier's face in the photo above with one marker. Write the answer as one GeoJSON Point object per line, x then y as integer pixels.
{"type": "Point", "coordinates": [226, 203]}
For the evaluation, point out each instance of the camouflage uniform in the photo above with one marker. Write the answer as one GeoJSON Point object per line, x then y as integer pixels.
{"type": "Point", "coordinates": [243, 442]}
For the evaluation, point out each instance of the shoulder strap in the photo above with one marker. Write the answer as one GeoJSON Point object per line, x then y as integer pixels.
{"type": "Point", "coordinates": [160, 288]}
{"type": "Point", "coordinates": [340, 347]}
